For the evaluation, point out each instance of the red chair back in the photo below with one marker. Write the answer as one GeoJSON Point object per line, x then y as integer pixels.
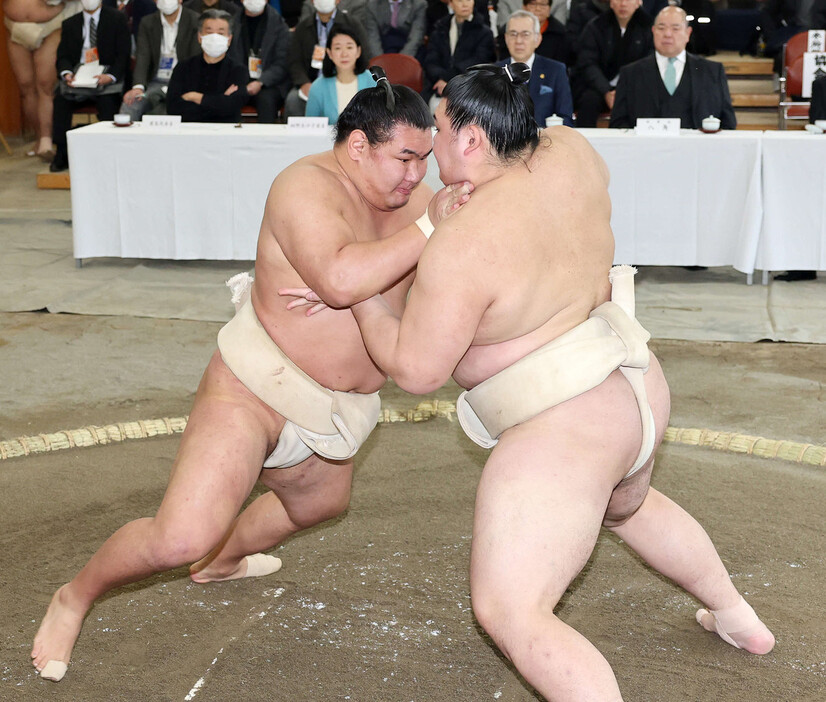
{"type": "Point", "coordinates": [401, 69]}
{"type": "Point", "coordinates": [793, 62]}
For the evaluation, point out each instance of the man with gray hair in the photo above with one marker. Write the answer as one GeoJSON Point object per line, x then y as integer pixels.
{"type": "Point", "coordinates": [209, 87]}
{"type": "Point", "coordinates": [672, 82]}
{"type": "Point", "coordinates": [548, 85]}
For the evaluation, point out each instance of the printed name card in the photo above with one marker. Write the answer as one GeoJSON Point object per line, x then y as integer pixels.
{"type": "Point", "coordinates": [814, 66]}
{"type": "Point", "coordinates": [162, 120]}
{"type": "Point", "coordinates": [307, 124]}
{"type": "Point", "coordinates": [658, 126]}
{"type": "Point", "coordinates": [817, 40]}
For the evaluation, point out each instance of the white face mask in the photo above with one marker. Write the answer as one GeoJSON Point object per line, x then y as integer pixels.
{"type": "Point", "coordinates": [255, 7]}
{"type": "Point", "coordinates": [324, 7]}
{"type": "Point", "coordinates": [214, 45]}
{"type": "Point", "coordinates": [168, 7]}
{"type": "Point", "coordinates": [90, 5]}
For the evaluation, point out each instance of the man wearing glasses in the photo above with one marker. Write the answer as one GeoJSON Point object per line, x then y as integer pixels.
{"type": "Point", "coordinates": [555, 43]}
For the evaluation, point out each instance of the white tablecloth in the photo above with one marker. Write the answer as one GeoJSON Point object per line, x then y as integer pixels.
{"type": "Point", "coordinates": [692, 199]}
{"type": "Point", "coordinates": [794, 201]}
{"type": "Point", "coordinates": [198, 191]}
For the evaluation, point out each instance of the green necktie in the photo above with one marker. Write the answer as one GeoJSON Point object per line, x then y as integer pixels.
{"type": "Point", "coordinates": [670, 77]}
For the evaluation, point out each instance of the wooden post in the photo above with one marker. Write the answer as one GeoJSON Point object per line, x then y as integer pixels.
{"type": "Point", "coordinates": [11, 113]}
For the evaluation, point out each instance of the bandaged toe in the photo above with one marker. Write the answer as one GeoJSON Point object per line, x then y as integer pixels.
{"type": "Point", "coordinates": [739, 626]}
{"type": "Point", "coordinates": [259, 564]}
{"type": "Point", "coordinates": [54, 670]}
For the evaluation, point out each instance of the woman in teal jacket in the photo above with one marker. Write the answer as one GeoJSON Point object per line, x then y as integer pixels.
{"type": "Point", "coordinates": [343, 73]}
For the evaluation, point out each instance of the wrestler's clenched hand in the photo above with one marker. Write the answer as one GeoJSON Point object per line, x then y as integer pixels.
{"type": "Point", "coordinates": [448, 200]}
{"type": "Point", "coordinates": [304, 296]}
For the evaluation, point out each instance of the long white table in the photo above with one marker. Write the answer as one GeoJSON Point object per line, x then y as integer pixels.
{"type": "Point", "coordinates": [793, 235]}
{"type": "Point", "coordinates": [198, 191]}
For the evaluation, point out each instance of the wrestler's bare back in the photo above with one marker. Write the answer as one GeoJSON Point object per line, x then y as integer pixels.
{"type": "Point", "coordinates": [544, 247]}
{"type": "Point", "coordinates": [328, 347]}
{"type": "Point", "coordinates": [30, 10]}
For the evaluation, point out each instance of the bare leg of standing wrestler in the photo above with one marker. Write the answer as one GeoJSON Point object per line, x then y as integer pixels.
{"type": "Point", "coordinates": [672, 542]}
{"type": "Point", "coordinates": [228, 436]}
{"type": "Point", "coordinates": [307, 494]}
{"type": "Point", "coordinates": [45, 81]}
{"type": "Point", "coordinates": [22, 65]}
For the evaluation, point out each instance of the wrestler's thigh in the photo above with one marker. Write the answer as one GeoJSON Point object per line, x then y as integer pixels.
{"type": "Point", "coordinates": [223, 448]}
{"type": "Point", "coordinates": [44, 62]}
{"type": "Point", "coordinates": [539, 507]}
{"type": "Point", "coordinates": [312, 491]}
{"type": "Point", "coordinates": [22, 65]}
{"type": "Point", "coordinates": [629, 494]}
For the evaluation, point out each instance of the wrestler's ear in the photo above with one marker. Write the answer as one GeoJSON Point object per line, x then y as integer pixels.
{"type": "Point", "coordinates": [472, 139]}
{"type": "Point", "coordinates": [357, 144]}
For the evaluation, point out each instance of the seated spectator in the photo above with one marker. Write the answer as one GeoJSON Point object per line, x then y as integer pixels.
{"type": "Point", "coordinates": [169, 35]}
{"type": "Point", "coordinates": [356, 9]}
{"type": "Point", "coordinates": [580, 13]}
{"type": "Point", "coordinates": [548, 86]}
{"type": "Point", "coordinates": [34, 33]}
{"type": "Point", "coordinates": [201, 6]}
{"type": "Point", "coordinates": [617, 37]}
{"type": "Point", "coordinates": [555, 43]}
{"type": "Point", "coordinates": [437, 9]}
{"type": "Point", "coordinates": [135, 11]}
{"type": "Point", "coordinates": [458, 41]}
{"type": "Point", "coordinates": [343, 73]}
{"type": "Point", "coordinates": [209, 87]}
{"type": "Point", "coordinates": [308, 46]}
{"type": "Point", "coordinates": [782, 19]}
{"type": "Point", "coordinates": [395, 26]}
{"type": "Point", "coordinates": [98, 35]}
{"type": "Point", "coordinates": [672, 82]}
{"type": "Point", "coordinates": [262, 40]}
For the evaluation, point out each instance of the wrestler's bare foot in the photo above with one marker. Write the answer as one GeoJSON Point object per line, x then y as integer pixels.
{"type": "Point", "coordinates": [738, 626]}
{"type": "Point", "coordinates": [57, 634]}
{"type": "Point", "coordinates": [207, 570]}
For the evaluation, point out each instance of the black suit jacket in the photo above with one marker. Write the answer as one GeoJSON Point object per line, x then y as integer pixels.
{"type": "Point", "coordinates": [215, 106]}
{"type": "Point", "coordinates": [603, 50]}
{"type": "Point", "coordinates": [148, 52]}
{"type": "Point", "coordinates": [638, 92]}
{"type": "Point", "coordinates": [114, 43]}
{"type": "Point", "coordinates": [274, 49]}
{"type": "Point", "coordinates": [475, 45]}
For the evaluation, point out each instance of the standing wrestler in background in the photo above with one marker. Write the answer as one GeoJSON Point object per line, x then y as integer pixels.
{"type": "Point", "coordinates": [34, 33]}
{"type": "Point", "coordinates": [516, 298]}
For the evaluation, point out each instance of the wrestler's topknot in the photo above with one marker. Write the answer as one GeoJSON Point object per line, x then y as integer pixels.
{"type": "Point", "coordinates": [496, 99]}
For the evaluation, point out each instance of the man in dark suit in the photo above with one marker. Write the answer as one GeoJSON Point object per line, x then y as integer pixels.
{"type": "Point", "coordinates": [672, 82]}
{"type": "Point", "coordinates": [165, 37]}
{"type": "Point", "coordinates": [308, 46]}
{"type": "Point", "coordinates": [617, 37]}
{"type": "Point", "coordinates": [262, 40]}
{"type": "Point", "coordinates": [96, 34]}
{"type": "Point", "coordinates": [210, 87]}
{"type": "Point", "coordinates": [548, 86]}
{"type": "Point", "coordinates": [395, 26]}
{"type": "Point", "coordinates": [458, 41]}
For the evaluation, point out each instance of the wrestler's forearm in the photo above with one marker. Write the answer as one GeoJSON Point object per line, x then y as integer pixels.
{"type": "Point", "coordinates": [380, 330]}
{"type": "Point", "coordinates": [363, 269]}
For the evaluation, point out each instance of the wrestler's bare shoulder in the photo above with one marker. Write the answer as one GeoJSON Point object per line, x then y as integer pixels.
{"type": "Point", "coordinates": [310, 177]}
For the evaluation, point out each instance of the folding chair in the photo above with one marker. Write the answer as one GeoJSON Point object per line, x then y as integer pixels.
{"type": "Point", "coordinates": [401, 69]}
{"type": "Point", "coordinates": [792, 106]}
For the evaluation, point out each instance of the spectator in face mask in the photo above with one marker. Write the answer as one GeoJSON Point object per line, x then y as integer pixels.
{"type": "Point", "coordinates": [261, 42]}
{"type": "Point", "coordinates": [165, 37]}
{"type": "Point", "coordinates": [98, 36]}
{"type": "Point", "coordinates": [308, 46]}
{"type": "Point", "coordinates": [201, 6]}
{"type": "Point", "coordinates": [210, 87]}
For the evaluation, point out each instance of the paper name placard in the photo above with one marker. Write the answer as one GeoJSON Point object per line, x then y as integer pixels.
{"type": "Point", "coordinates": [814, 66]}
{"type": "Point", "coordinates": [817, 40]}
{"type": "Point", "coordinates": [658, 126]}
{"type": "Point", "coordinates": [161, 120]}
{"type": "Point", "coordinates": [307, 124]}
